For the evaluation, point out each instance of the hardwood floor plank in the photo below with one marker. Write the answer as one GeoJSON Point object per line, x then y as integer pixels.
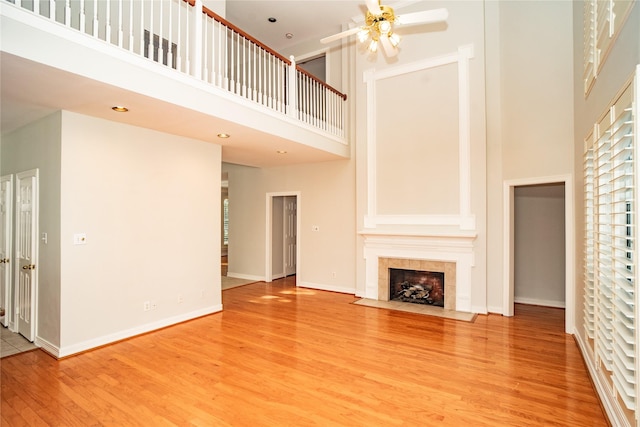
{"type": "Point", "coordinates": [281, 355]}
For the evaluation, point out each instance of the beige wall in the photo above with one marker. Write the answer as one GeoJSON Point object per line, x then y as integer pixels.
{"type": "Point", "coordinates": [530, 111]}
{"type": "Point", "coordinates": [418, 158]}
{"type": "Point", "coordinates": [326, 199]}
{"type": "Point", "coordinates": [38, 146]}
{"type": "Point", "coordinates": [149, 204]}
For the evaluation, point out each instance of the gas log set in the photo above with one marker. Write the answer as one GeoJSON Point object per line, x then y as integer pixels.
{"type": "Point", "coordinates": [420, 287]}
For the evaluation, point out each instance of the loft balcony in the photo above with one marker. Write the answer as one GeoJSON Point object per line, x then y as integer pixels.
{"type": "Point", "coordinates": [177, 66]}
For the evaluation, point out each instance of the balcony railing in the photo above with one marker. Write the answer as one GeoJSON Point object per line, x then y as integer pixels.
{"type": "Point", "coordinates": [188, 37]}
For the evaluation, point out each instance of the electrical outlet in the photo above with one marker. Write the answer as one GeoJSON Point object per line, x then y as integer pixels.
{"type": "Point", "coordinates": [146, 306]}
{"type": "Point", "coordinates": [154, 305]}
{"type": "Point", "coordinates": [180, 299]}
{"type": "Point", "coordinates": [333, 274]}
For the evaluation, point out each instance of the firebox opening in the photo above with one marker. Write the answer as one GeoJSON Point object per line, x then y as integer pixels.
{"type": "Point", "coordinates": [415, 286]}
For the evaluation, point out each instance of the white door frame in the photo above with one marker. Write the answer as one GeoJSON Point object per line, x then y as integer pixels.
{"type": "Point", "coordinates": [8, 225]}
{"type": "Point", "coordinates": [34, 259]}
{"type": "Point", "coordinates": [269, 232]}
{"type": "Point", "coordinates": [508, 244]}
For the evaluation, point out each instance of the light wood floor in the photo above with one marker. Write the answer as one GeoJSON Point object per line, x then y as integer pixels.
{"type": "Point", "coordinates": [281, 356]}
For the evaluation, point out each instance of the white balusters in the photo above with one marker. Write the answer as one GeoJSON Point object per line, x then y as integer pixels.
{"type": "Point", "coordinates": [120, 30]}
{"type": "Point", "coordinates": [67, 13]}
{"type": "Point", "coordinates": [170, 36]}
{"type": "Point", "coordinates": [131, 26]}
{"type": "Point", "coordinates": [201, 44]}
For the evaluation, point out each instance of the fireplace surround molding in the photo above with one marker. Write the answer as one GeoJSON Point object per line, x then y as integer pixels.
{"type": "Point", "coordinates": [450, 253]}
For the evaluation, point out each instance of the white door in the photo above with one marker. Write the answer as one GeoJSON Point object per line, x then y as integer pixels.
{"type": "Point", "coordinates": [290, 235]}
{"type": "Point", "coordinates": [6, 215]}
{"type": "Point", "coordinates": [26, 251]}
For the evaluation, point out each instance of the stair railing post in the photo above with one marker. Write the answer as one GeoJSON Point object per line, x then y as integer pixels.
{"type": "Point", "coordinates": [196, 40]}
{"type": "Point", "coordinates": [292, 88]}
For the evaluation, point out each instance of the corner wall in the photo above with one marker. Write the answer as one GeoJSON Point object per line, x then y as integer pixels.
{"type": "Point", "coordinates": [149, 204]}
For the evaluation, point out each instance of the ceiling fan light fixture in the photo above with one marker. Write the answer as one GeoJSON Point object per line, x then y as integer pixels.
{"type": "Point", "coordinates": [363, 35]}
{"type": "Point", "coordinates": [373, 46]}
{"type": "Point", "coordinates": [394, 39]}
{"type": "Point", "coordinates": [384, 27]}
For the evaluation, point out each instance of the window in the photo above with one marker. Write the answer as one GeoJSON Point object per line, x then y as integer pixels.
{"type": "Point", "coordinates": [609, 245]}
{"type": "Point", "coordinates": [602, 22]}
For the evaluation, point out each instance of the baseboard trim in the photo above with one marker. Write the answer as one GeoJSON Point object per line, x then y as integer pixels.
{"type": "Point", "coordinates": [47, 346]}
{"type": "Point", "coordinates": [138, 330]}
{"type": "Point", "coordinates": [323, 287]}
{"type": "Point", "coordinates": [540, 302]}
{"type": "Point", "coordinates": [611, 407]}
{"type": "Point", "coordinates": [245, 276]}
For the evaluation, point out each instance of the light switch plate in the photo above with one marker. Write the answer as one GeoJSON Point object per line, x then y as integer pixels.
{"type": "Point", "coordinates": [80, 239]}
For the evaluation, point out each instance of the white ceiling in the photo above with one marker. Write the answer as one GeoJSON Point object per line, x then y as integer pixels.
{"type": "Point", "coordinates": [305, 19]}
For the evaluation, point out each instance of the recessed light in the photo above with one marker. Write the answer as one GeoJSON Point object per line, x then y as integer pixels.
{"type": "Point", "coordinates": [289, 35]}
{"type": "Point", "coordinates": [272, 19]}
{"type": "Point", "coordinates": [120, 109]}
{"type": "Point", "coordinates": [223, 135]}
{"type": "Point", "coordinates": [281, 152]}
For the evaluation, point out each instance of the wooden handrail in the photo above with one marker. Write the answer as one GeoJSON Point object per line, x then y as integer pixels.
{"type": "Point", "coordinates": [311, 76]}
{"type": "Point", "coordinates": [244, 34]}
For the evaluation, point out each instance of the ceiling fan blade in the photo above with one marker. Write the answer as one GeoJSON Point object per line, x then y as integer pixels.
{"type": "Point", "coordinates": [373, 6]}
{"type": "Point", "coordinates": [338, 36]}
{"type": "Point", "coordinates": [424, 17]}
{"type": "Point", "coordinates": [389, 50]}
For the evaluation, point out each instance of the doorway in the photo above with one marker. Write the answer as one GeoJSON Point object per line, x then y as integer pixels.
{"type": "Point", "coordinates": [282, 244]}
{"type": "Point", "coordinates": [509, 245]}
{"type": "Point", "coordinates": [539, 245]}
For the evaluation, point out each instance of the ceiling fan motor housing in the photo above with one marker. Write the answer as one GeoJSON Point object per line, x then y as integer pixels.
{"type": "Point", "coordinates": [373, 21]}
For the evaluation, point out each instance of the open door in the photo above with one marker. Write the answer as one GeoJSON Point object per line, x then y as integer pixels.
{"type": "Point", "coordinates": [282, 226]}
{"type": "Point", "coordinates": [6, 210]}
{"type": "Point", "coordinates": [26, 251]}
{"type": "Point", "coordinates": [290, 235]}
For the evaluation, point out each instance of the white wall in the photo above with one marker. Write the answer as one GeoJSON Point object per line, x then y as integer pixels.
{"type": "Point", "coordinates": [540, 245]}
{"type": "Point", "coordinates": [149, 204]}
{"type": "Point", "coordinates": [37, 145]}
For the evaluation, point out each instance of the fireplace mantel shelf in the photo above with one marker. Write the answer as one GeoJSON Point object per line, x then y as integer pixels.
{"type": "Point", "coordinates": [452, 234]}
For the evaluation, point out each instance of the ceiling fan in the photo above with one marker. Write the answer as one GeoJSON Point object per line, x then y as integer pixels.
{"type": "Point", "coordinates": [379, 25]}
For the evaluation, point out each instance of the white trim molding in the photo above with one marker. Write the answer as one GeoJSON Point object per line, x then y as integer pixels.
{"type": "Point", "coordinates": [465, 220]}
{"type": "Point", "coordinates": [449, 247]}
{"type": "Point", "coordinates": [508, 243]}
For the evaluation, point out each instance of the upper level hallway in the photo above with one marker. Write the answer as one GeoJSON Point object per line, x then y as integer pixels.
{"type": "Point", "coordinates": [179, 69]}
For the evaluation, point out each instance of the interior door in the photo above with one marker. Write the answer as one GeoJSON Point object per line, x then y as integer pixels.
{"type": "Point", "coordinates": [26, 251]}
{"type": "Point", "coordinates": [290, 234]}
{"type": "Point", "coordinates": [6, 210]}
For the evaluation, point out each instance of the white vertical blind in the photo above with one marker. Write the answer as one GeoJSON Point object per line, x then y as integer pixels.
{"type": "Point", "coordinates": [610, 255]}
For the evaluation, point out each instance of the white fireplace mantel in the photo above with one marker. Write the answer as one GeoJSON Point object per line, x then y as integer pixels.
{"type": "Point", "coordinates": [437, 245]}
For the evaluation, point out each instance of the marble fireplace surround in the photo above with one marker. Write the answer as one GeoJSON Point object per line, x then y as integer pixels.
{"type": "Point", "coordinates": [449, 252]}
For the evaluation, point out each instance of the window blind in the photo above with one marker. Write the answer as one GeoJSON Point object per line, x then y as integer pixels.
{"type": "Point", "coordinates": [589, 296]}
{"type": "Point", "coordinates": [602, 22]}
{"type": "Point", "coordinates": [610, 257]}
